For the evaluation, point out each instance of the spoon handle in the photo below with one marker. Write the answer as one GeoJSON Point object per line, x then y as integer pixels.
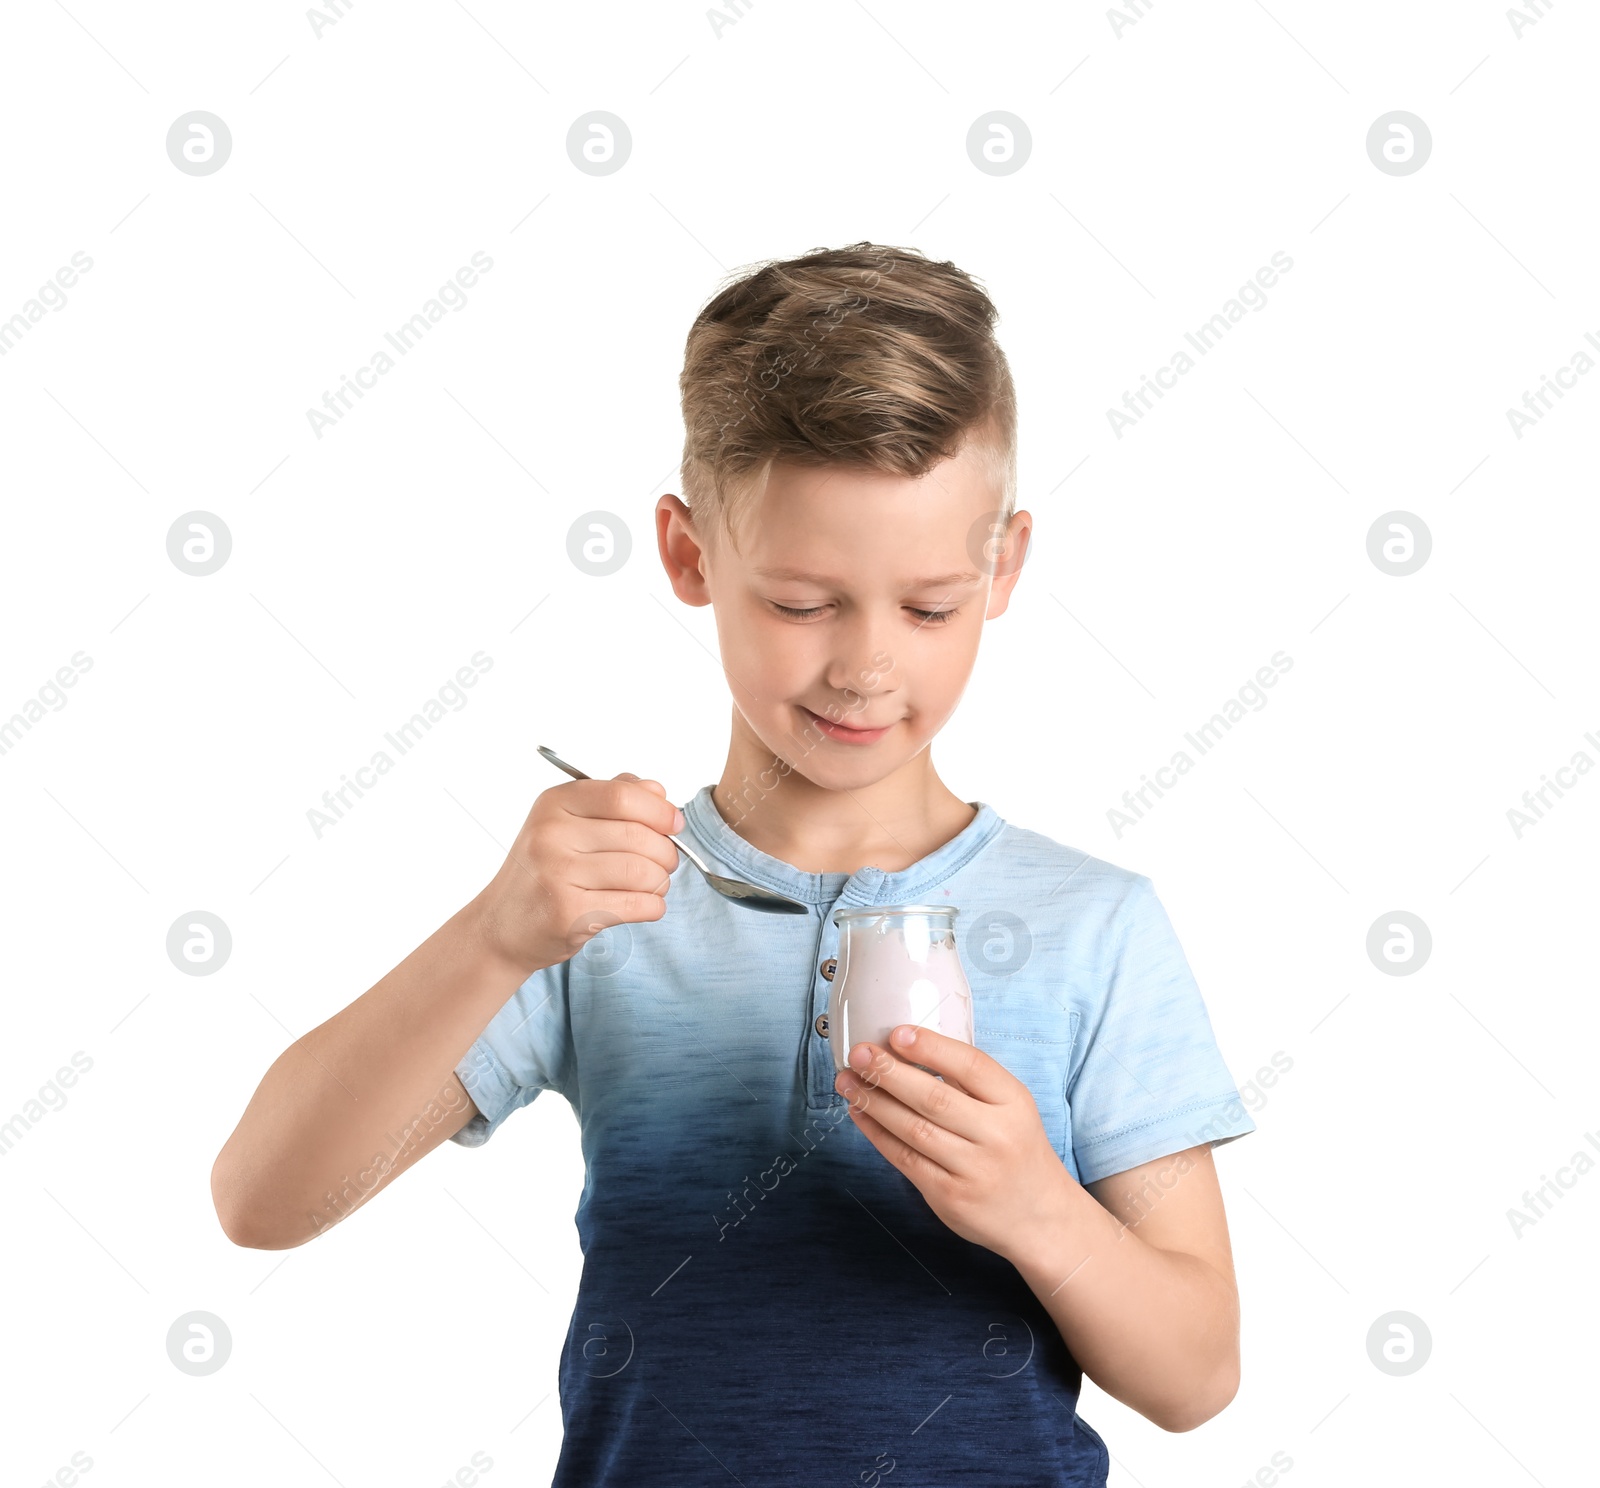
{"type": "Point", "coordinates": [560, 764]}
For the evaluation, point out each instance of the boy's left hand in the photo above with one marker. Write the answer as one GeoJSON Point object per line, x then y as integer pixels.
{"type": "Point", "coordinates": [972, 1143]}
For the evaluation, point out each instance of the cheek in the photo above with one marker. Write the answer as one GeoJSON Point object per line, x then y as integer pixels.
{"type": "Point", "coordinates": [774, 661]}
{"type": "Point", "coordinates": [938, 678]}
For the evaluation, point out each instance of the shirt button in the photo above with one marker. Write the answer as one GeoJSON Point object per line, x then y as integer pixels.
{"type": "Point", "coordinates": [829, 966]}
{"type": "Point", "coordinates": [822, 1024]}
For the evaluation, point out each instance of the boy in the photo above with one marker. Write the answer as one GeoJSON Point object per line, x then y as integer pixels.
{"type": "Point", "coordinates": [791, 1277]}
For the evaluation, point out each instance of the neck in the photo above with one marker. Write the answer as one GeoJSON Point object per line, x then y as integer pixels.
{"type": "Point", "coordinates": [889, 824]}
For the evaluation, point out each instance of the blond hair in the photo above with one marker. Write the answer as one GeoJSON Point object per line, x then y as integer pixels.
{"type": "Point", "coordinates": [865, 355]}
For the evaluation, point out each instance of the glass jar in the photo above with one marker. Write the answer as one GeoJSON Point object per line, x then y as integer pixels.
{"type": "Point", "coordinates": [897, 964]}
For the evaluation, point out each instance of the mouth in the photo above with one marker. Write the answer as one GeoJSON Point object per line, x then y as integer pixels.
{"type": "Point", "coordinates": [844, 734]}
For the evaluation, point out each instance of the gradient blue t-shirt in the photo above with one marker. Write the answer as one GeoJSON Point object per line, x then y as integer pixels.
{"type": "Point", "coordinates": [763, 1296]}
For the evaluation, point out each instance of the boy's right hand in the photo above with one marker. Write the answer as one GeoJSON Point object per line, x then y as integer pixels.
{"type": "Point", "coordinates": [591, 853]}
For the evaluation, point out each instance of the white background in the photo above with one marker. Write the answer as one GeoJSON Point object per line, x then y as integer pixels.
{"type": "Point", "coordinates": [1169, 162]}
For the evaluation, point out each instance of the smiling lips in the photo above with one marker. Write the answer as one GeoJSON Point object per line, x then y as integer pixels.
{"type": "Point", "coordinates": [843, 732]}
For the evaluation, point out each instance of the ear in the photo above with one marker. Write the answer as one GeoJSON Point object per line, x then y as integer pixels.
{"type": "Point", "coordinates": [1010, 554]}
{"type": "Point", "coordinates": [681, 553]}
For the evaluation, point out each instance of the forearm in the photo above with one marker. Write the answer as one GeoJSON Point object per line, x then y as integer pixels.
{"type": "Point", "coordinates": [1157, 1329]}
{"type": "Point", "coordinates": [348, 1106]}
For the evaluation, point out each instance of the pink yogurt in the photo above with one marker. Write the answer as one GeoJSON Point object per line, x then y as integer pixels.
{"type": "Point", "coordinates": [897, 964]}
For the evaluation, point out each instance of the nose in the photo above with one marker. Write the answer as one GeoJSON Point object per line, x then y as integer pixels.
{"type": "Point", "coordinates": [862, 667]}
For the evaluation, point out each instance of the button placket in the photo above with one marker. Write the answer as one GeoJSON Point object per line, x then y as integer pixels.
{"type": "Point", "coordinates": [818, 1053]}
{"type": "Point", "coordinates": [827, 970]}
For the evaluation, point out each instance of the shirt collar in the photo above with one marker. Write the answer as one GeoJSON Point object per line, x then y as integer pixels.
{"type": "Point", "coordinates": [868, 885]}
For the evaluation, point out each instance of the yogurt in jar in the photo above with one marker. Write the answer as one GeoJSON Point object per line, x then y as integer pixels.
{"type": "Point", "coordinates": [897, 964]}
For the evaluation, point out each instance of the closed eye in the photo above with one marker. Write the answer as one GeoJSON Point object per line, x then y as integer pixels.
{"type": "Point", "coordinates": [925, 617]}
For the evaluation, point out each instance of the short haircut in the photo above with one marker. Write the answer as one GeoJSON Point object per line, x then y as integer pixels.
{"type": "Point", "coordinates": [865, 355]}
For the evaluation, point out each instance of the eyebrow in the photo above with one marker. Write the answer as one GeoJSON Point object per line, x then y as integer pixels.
{"type": "Point", "coordinates": [936, 581]}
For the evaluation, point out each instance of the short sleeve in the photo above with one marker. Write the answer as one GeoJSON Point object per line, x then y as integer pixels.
{"type": "Point", "coordinates": [1148, 1078]}
{"type": "Point", "coordinates": [526, 1048]}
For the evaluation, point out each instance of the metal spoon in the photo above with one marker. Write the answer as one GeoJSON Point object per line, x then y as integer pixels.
{"type": "Point", "coordinates": [734, 888]}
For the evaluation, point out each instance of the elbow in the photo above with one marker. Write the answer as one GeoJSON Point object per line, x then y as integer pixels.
{"type": "Point", "coordinates": [239, 1223]}
{"type": "Point", "coordinates": [1203, 1404]}
{"type": "Point", "coordinates": [243, 1231]}
{"type": "Point", "coordinates": [241, 1219]}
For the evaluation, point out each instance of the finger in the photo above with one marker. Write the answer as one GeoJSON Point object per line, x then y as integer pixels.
{"type": "Point", "coordinates": [620, 872]}
{"type": "Point", "coordinates": [608, 908]}
{"type": "Point", "coordinates": [980, 1076]}
{"type": "Point", "coordinates": [917, 1166]}
{"type": "Point", "coordinates": [939, 1101]}
{"type": "Point", "coordinates": [922, 1134]}
{"type": "Point", "coordinates": [605, 835]}
{"type": "Point", "coordinates": [623, 800]}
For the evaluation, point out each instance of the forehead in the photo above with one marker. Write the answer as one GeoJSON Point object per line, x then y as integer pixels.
{"type": "Point", "coordinates": [841, 521]}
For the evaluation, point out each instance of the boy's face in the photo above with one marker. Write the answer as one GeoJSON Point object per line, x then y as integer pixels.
{"type": "Point", "coordinates": [876, 647]}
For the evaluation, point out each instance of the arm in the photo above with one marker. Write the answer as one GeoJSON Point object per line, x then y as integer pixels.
{"type": "Point", "coordinates": [1137, 1272]}
{"type": "Point", "coordinates": [346, 1109]}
